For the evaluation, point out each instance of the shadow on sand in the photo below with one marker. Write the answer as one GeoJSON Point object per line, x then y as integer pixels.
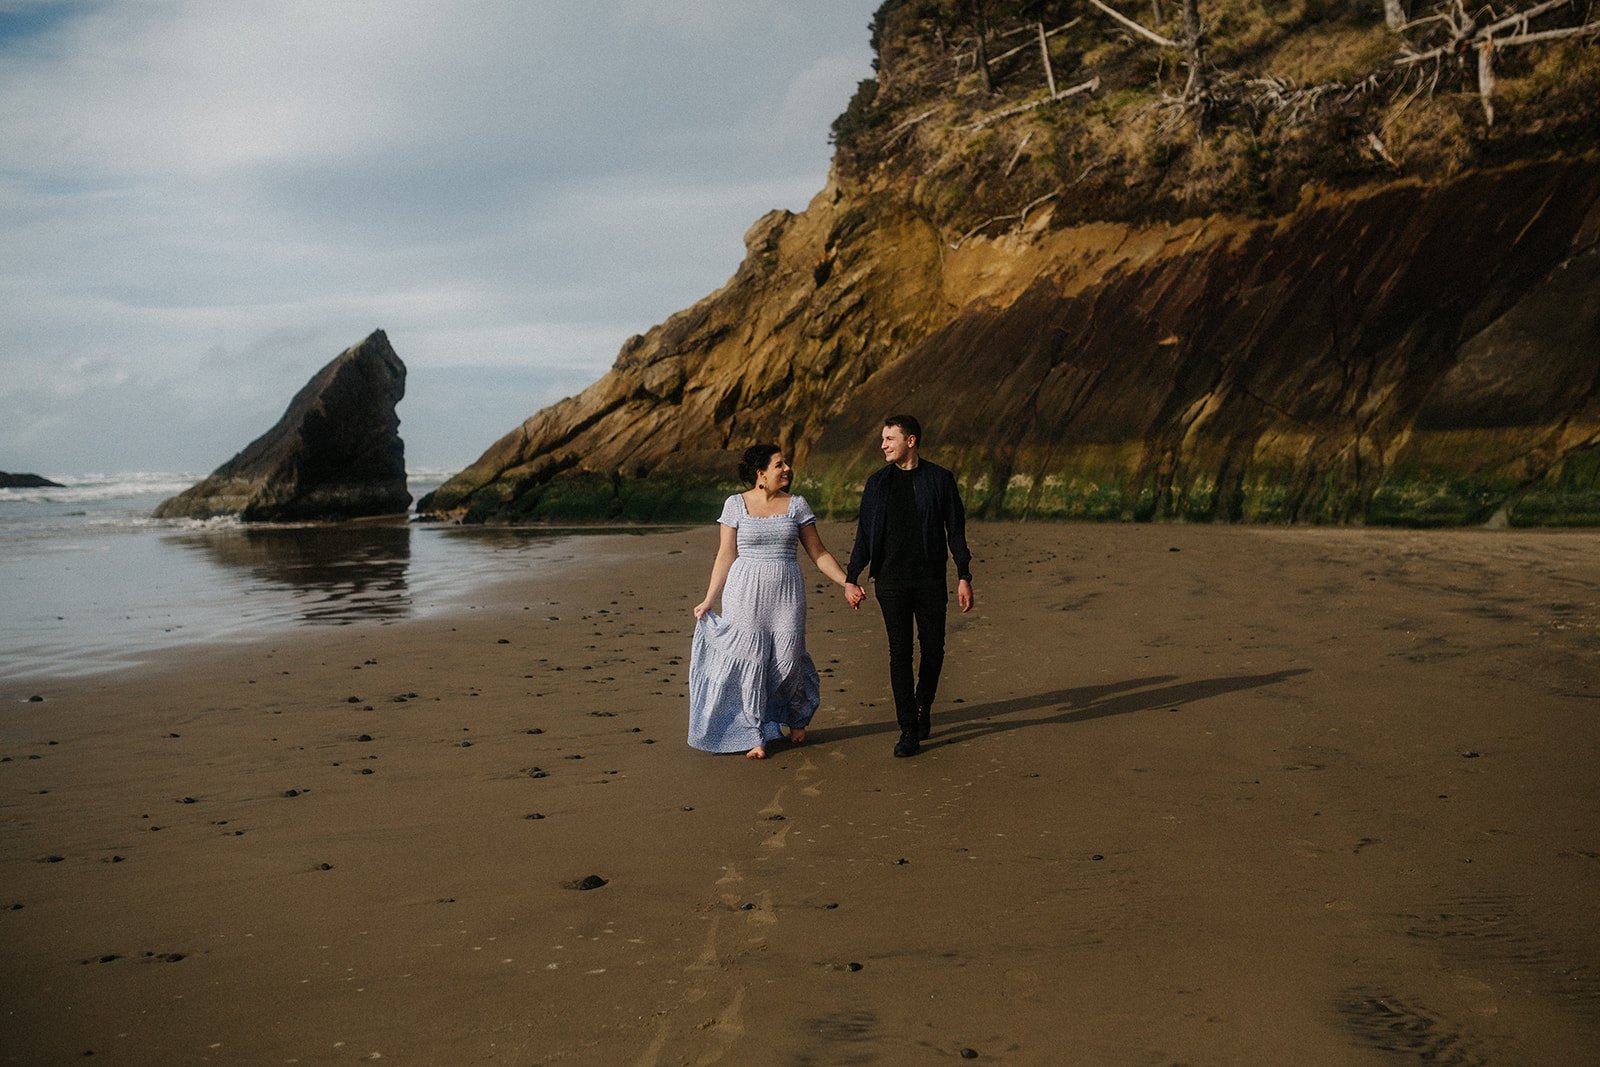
{"type": "Point", "coordinates": [953, 726]}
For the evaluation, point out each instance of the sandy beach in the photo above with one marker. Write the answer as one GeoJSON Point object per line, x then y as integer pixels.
{"type": "Point", "coordinates": [1195, 794]}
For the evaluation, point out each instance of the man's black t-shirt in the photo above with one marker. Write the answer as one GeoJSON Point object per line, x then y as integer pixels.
{"type": "Point", "coordinates": [903, 562]}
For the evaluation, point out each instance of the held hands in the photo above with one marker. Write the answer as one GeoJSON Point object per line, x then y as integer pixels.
{"type": "Point", "coordinates": [964, 595]}
{"type": "Point", "coordinates": [854, 594]}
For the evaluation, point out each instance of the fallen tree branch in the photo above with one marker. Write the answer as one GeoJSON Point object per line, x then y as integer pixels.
{"type": "Point", "coordinates": [1020, 216]}
{"type": "Point", "coordinates": [1588, 29]}
{"type": "Point", "coordinates": [907, 124]}
{"type": "Point", "coordinates": [1522, 17]}
{"type": "Point", "coordinates": [1149, 35]}
{"type": "Point", "coordinates": [988, 120]}
{"type": "Point", "coordinates": [1024, 47]}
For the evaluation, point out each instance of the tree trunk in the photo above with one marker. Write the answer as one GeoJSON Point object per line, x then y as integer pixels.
{"type": "Point", "coordinates": [1394, 14]}
{"type": "Point", "coordinates": [980, 26]}
{"type": "Point", "coordinates": [1486, 79]}
{"type": "Point", "coordinates": [1155, 12]}
{"type": "Point", "coordinates": [1195, 90]}
{"type": "Point", "coordinates": [1044, 50]}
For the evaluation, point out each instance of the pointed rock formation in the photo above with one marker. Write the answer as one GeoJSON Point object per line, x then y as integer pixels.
{"type": "Point", "coordinates": [335, 454]}
{"type": "Point", "coordinates": [26, 481]}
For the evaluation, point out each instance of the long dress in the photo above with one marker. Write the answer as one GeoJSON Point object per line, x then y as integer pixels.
{"type": "Point", "coordinates": [749, 672]}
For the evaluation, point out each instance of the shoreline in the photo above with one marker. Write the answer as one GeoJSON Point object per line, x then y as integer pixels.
{"type": "Point", "coordinates": [1234, 794]}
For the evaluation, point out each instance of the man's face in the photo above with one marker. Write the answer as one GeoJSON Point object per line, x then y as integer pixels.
{"type": "Point", "coordinates": [895, 444]}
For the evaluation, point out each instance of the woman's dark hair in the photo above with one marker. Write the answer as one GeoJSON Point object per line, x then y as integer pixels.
{"type": "Point", "coordinates": [754, 461]}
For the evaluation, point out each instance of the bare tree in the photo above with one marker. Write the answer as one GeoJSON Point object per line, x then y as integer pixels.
{"type": "Point", "coordinates": [976, 14]}
{"type": "Point", "coordinates": [1196, 90]}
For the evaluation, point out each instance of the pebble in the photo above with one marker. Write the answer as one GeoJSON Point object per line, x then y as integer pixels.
{"type": "Point", "coordinates": [852, 967]}
{"type": "Point", "coordinates": [901, 862]}
{"type": "Point", "coordinates": [747, 906]}
{"type": "Point", "coordinates": [533, 815]}
{"type": "Point", "coordinates": [535, 730]}
{"type": "Point", "coordinates": [775, 818]}
{"type": "Point", "coordinates": [352, 700]}
{"type": "Point", "coordinates": [188, 800]}
{"type": "Point", "coordinates": [36, 699]}
{"type": "Point", "coordinates": [291, 792]}
{"type": "Point", "coordinates": [537, 773]}
{"type": "Point", "coordinates": [588, 882]}
{"type": "Point", "coordinates": [503, 641]}
{"type": "Point", "coordinates": [1470, 755]}
{"type": "Point", "coordinates": [466, 744]}
{"type": "Point", "coordinates": [972, 1053]}
{"type": "Point", "coordinates": [364, 737]}
{"type": "Point", "coordinates": [324, 866]}
{"type": "Point", "coordinates": [1097, 857]}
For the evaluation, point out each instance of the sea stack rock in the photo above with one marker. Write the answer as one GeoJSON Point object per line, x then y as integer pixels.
{"type": "Point", "coordinates": [335, 454]}
{"type": "Point", "coordinates": [26, 481]}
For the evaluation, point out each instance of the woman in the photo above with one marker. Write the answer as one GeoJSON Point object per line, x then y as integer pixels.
{"type": "Point", "coordinates": [749, 673]}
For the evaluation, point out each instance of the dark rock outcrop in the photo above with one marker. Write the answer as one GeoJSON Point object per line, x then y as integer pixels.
{"type": "Point", "coordinates": [26, 481]}
{"type": "Point", "coordinates": [335, 454]}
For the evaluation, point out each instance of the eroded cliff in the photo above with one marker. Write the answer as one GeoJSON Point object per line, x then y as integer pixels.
{"type": "Point", "coordinates": [1377, 345]}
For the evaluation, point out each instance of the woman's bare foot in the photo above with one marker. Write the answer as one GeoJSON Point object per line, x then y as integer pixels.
{"type": "Point", "coordinates": [756, 753]}
{"type": "Point", "coordinates": [798, 735]}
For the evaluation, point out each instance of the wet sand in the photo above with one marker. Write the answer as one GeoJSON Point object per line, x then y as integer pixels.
{"type": "Point", "coordinates": [1195, 795]}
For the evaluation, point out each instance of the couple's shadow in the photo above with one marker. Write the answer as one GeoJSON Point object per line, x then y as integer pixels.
{"type": "Point", "coordinates": [954, 725]}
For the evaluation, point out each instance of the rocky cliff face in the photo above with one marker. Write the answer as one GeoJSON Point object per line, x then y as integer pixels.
{"type": "Point", "coordinates": [335, 454]}
{"type": "Point", "coordinates": [1374, 347]}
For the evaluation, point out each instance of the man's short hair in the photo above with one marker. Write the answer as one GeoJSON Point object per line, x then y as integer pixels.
{"type": "Point", "coordinates": [908, 425]}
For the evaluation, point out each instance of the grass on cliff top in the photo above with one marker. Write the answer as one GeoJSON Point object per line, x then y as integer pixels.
{"type": "Point", "coordinates": [1305, 91]}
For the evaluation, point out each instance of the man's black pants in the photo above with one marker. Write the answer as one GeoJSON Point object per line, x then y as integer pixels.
{"type": "Point", "coordinates": [923, 603]}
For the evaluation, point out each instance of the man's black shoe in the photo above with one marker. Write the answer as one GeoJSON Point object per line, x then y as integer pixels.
{"type": "Point", "coordinates": [906, 746]}
{"type": "Point", "coordinates": [924, 724]}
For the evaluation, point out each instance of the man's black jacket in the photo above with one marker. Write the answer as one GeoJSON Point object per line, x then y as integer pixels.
{"type": "Point", "coordinates": [940, 517]}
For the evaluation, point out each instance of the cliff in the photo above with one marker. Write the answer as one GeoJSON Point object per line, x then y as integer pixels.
{"type": "Point", "coordinates": [335, 454]}
{"type": "Point", "coordinates": [1332, 299]}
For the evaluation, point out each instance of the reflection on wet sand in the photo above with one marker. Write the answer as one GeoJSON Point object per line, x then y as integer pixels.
{"type": "Point", "coordinates": [521, 538]}
{"type": "Point", "coordinates": [336, 574]}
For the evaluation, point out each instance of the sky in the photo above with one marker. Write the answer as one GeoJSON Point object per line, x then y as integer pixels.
{"type": "Point", "coordinates": [202, 203]}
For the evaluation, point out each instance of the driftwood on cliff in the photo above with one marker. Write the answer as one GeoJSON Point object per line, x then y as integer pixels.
{"type": "Point", "coordinates": [1020, 216]}
{"type": "Point", "coordinates": [996, 116]}
{"type": "Point", "coordinates": [1196, 87]}
{"type": "Point", "coordinates": [1148, 34]}
{"type": "Point", "coordinates": [1466, 37]}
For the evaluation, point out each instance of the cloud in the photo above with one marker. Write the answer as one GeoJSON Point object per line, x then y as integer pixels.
{"type": "Point", "coordinates": [200, 203]}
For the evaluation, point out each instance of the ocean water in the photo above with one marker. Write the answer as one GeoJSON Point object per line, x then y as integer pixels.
{"type": "Point", "coordinates": [89, 582]}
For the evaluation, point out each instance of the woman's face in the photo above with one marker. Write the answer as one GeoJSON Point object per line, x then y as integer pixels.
{"type": "Point", "coordinates": [777, 473]}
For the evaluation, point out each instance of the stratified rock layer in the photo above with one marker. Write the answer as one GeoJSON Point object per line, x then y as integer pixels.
{"type": "Point", "coordinates": [335, 454]}
{"type": "Point", "coordinates": [1410, 352]}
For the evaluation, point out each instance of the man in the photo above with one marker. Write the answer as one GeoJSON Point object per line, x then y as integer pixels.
{"type": "Point", "coordinates": [911, 521]}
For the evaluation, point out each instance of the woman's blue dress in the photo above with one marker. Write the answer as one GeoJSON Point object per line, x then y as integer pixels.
{"type": "Point", "coordinates": [749, 672]}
